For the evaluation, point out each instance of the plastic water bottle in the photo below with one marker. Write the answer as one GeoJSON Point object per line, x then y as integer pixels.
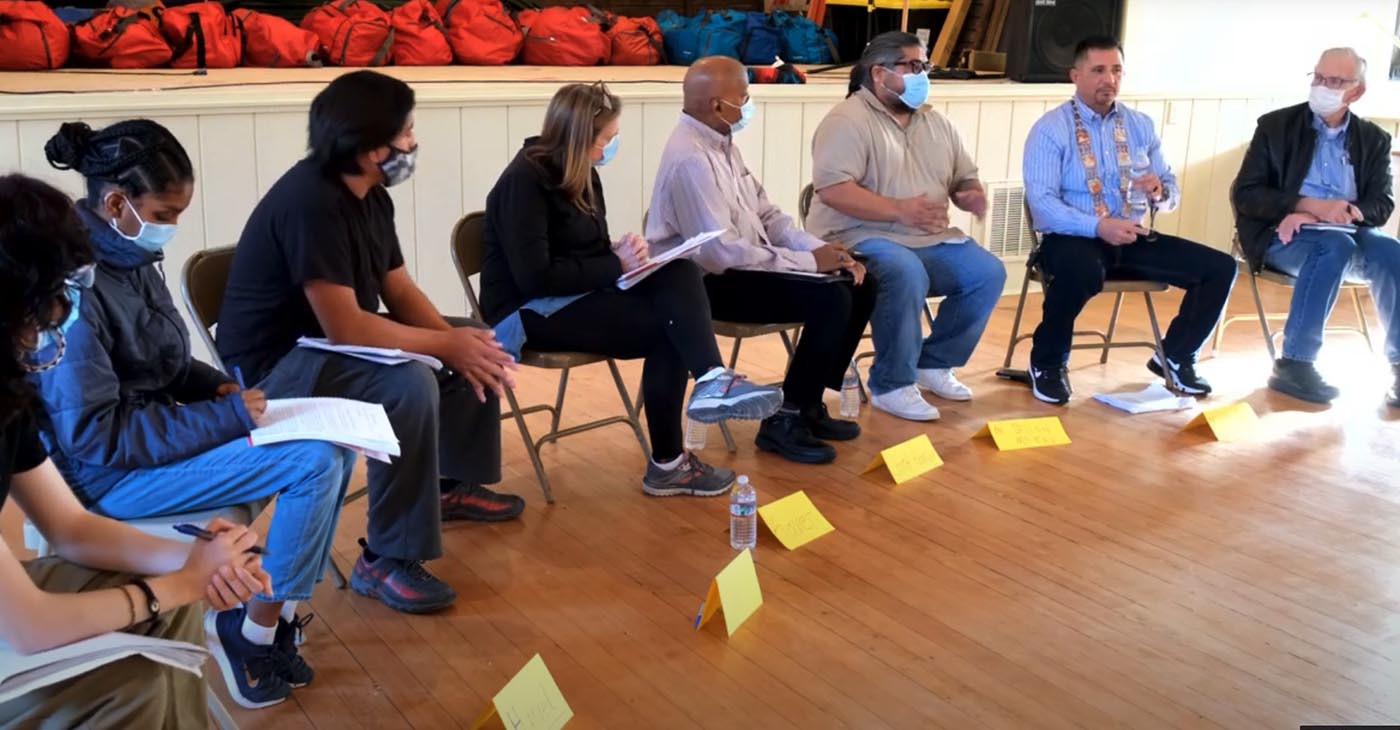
{"type": "Point", "coordinates": [743, 515]}
{"type": "Point", "coordinates": [850, 393]}
{"type": "Point", "coordinates": [695, 434]}
{"type": "Point", "coordinates": [1137, 197]}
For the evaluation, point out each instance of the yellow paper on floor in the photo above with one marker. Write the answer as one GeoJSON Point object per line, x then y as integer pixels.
{"type": "Point", "coordinates": [1228, 423]}
{"type": "Point", "coordinates": [529, 701]}
{"type": "Point", "coordinates": [735, 590]}
{"type": "Point", "coordinates": [908, 459]}
{"type": "Point", "coordinates": [1025, 433]}
{"type": "Point", "coordinates": [794, 520]}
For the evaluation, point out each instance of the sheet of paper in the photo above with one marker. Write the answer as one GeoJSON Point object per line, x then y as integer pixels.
{"type": "Point", "coordinates": [20, 674]}
{"type": "Point", "coordinates": [381, 355]}
{"type": "Point", "coordinates": [338, 420]}
{"type": "Point", "coordinates": [1229, 423]}
{"type": "Point", "coordinates": [531, 700]}
{"type": "Point", "coordinates": [908, 459]}
{"type": "Point", "coordinates": [735, 590]}
{"type": "Point", "coordinates": [1151, 399]}
{"type": "Point", "coordinates": [630, 279]}
{"type": "Point", "coordinates": [1025, 433]}
{"type": "Point", "coordinates": [794, 520]}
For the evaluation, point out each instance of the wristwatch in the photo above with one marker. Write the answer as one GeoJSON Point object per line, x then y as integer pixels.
{"type": "Point", "coordinates": [151, 602]}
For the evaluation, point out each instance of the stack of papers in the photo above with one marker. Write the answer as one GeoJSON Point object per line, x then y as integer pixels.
{"type": "Point", "coordinates": [20, 674]}
{"type": "Point", "coordinates": [631, 278]}
{"type": "Point", "coordinates": [363, 427]}
{"type": "Point", "coordinates": [1154, 397]}
{"type": "Point", "coordinates": [381, 355]}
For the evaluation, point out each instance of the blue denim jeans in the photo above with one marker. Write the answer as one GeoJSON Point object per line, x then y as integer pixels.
{"type": "Point", "coordinates": [970, 278]}
{"type": "Point", "coordinates": [308, 477]}
{"type": "Point", "coordinates": [1321, 260]}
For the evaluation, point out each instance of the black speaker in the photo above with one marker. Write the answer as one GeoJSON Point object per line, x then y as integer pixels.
{"type": "Point", "coordinates": [1041, 35]}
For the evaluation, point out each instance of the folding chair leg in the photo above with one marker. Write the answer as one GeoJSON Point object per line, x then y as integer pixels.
{"type": "Point", "coordinates": [559, 402]}
{"type": "Point", "coordinates": [1016, 322]}
{"type": "Point", "coordinates": [632, 417]}
{"type": "Point", "coordinates": [728, 437]}
{"type": "Point", "coordinates": [734, 354]}
{"type": "Point", "coordinates": [337, 575]}
{"type": "Point", "coordinates": [1156, 330]}
{"type": "Point", "coordinates": [217, 711]}
{"type": "Point", "coordinates": [1113, 325]}
{"type": "Point", "coordinates": [1263, 316]}
{"type": "Point", "coordinates": [1361, 319]}
{"type": "Point", "coordinates": [530, 446]}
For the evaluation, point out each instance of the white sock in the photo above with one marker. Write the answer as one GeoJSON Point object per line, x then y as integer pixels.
{"type": "Point", "coordinates": [711, 373]}
{"type": "Point", "coordinates": [670, 465]}
{"type": "Point", "coordinates": [257, 633]}
{"type": "Point", "coordinates": [289, 611]}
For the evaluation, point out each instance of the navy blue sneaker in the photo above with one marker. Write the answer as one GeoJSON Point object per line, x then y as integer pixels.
{"type": "Point", "coordinates": [291, 667]}
{"type": "Point", "coordinates": [249, 670]}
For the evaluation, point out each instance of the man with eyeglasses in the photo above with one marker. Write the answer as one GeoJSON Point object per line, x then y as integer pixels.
{"type": "Point", "coordinates": [885, 166]}
{"type": "Point", "coordinates": [1312, 192]}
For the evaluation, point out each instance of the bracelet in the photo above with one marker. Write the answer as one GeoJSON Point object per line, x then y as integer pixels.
{"type": "Point", "coordinates": [130, 606]}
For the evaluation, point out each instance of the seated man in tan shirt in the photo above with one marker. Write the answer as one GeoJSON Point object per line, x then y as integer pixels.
{"type": "Point", "coordinates": [884, 167]}
{"type": "Point", "coordinates": [764, 268]}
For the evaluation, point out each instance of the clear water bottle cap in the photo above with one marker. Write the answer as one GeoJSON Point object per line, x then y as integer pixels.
{"type": "Point", "coordinates": [743, 479]}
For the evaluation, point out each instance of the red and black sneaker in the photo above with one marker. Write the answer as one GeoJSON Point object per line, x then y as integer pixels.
{"type": "Point", "coordinates": [479, 504]}
{"type": "Point", "coordinates": [403, 585]}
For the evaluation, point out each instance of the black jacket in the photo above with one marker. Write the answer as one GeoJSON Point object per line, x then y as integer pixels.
{"type": "Point", "coordinates": [538, 244]}
{"type": "Point", "coordinates": [1278, 159]}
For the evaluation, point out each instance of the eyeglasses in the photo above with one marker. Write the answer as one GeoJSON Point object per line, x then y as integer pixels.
{"type": "Point", "coordinates": [604, 102]}
{"type": "Point", "coordinates": [1331, 82]}
{"type": "Point", "coordinates": [917, 67]}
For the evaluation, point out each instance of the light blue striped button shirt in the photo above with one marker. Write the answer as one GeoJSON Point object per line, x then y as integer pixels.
{"type": "Point", "coordinates": [1057, 186]}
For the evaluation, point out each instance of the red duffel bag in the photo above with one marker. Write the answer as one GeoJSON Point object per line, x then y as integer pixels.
{"type": "Point", "coordinates": [635, 42]}
{"type": "Point", "coordinates": [273, 42]}
{"type": "Point", "coordinates": [564, 37]}
{"type": "Point", "coordinates": [120, 38]}
{"type": "Point", "coordinates": [32, 38]}
{"type": "Point", "coordinates": [352, 32]}
{"type": "Point", "coordinates": [419, 36]}
{"type": "Point", "coordinates": [481, 32]}
{"type": "Point", "coordinates": [202, 36]}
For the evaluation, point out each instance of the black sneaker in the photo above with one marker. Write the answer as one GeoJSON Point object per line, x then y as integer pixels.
{"type": "Point", "coordinates": [1182, 378]}
{"type": "Point", "coordinates": [1051, 386]}
{"type": "Point", "coordinates": [1392, 398]}
{"type": "Point", "coordinates": [478, 504]}
{"type": "Point", "coordinates": [786, 434]}
{"type": "Point", "coordinates": [826, 428]}
{"type": "Point", "coordinates": [291, 666]}
{"type": "Point", "coordinates": [403, 585]}
{"type": "Point", "coordinates": [1302, 381]}
{"type": "Point", "coordinates": [249, 669]}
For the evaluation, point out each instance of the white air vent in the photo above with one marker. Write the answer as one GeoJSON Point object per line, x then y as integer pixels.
{"type": "Point", "coordinates": [1004, 229]}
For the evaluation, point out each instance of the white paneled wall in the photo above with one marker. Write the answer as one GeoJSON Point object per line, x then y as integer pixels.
{"type": "Point", "coordinates": [241, 149]}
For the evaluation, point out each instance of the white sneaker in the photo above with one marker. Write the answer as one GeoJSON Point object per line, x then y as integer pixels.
{"type": "Point", "coordinates": [906, 403]}
{"type": "Point", "coordinates": [943, 383]}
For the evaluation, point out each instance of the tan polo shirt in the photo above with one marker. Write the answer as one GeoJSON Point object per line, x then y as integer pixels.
{"type": "Point", "coordinates": [860, 141]}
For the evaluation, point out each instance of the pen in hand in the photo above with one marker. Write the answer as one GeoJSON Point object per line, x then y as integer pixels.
{"type": "Point", "coordinates": [185, 528]}
{"type": "Point", "coordinates": [238, 374]}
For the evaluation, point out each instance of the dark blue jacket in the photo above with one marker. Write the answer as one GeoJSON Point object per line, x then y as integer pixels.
{"type": "Point", "coordinates": [128, 395]}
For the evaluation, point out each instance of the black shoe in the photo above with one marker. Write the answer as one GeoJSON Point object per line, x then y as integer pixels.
{"type": "Point", "coordinates": [291, 666]}
{"type": "Point", "coordinates": [826, 428]}
{"type": "Point", "coordinates": [1183, 377]}
{"type": "Point", "coordinates": [1302, 381]}
{"type": "Point", "coordinates": [1392, 398]}
{"type": "Point", "coordinates": [1051, 386]}
{"type": "Point", "coordinates": [786, 434]}
{"type": "Point", "coordinates": [479, 504]}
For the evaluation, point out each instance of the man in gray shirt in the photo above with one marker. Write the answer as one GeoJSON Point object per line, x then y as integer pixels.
{"type": "Point", "coordinates": [764, 268]}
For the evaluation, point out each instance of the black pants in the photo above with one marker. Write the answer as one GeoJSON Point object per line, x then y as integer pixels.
{"type": "Point", "coordinates": [665, 320]}
{"type": "Point", "coordinates": [833, 317]}
{"type": "Point", "coordinates": [1077, 267]}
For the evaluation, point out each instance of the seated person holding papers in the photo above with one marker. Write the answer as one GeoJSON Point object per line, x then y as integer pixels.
{"type": "Point", "coordinates": [549, 280]}
{"type": "Point", "coordinates": [1311, 195]}
{"type": "Point", "coordinates": [140, 428]}
{"type": "Point", "coordinates": [1080, 187]}
{"type": "Point", "coordinates": [104, 576]}
{"type": "Point", "coordinates": [884, 167]}
{"type": "Point", "coordinates": [317, 256]}
{"type": "Point", "coordinates": [756, 269]}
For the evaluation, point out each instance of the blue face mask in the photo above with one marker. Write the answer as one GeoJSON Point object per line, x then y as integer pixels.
{"type": "Point", "coordinates": [50, 344]}
{"type": "Point", "coordinates": [746, 113]}
{"type": "Point", "coordinates": [915, 90]}
{"type": "Point", "coordinates": [152, 236]}
{"type": "Point", "coordinates": [610, 150]}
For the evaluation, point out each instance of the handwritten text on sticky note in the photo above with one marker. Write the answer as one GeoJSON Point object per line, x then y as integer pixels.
{"type": "Point", "coordinates": [794, 520]}
{"type": "Point", "coordinates": [1025, 433]}
{"type": "Point", "coordinates": [908, 459]}
{"type": "Point", "coordinates": [1228, 423]}
{"type": "Point", "coordinates": [529, 701]}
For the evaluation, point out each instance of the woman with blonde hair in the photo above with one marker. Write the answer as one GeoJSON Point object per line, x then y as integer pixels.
{"type": "Point", "coordinates": [549, 277]}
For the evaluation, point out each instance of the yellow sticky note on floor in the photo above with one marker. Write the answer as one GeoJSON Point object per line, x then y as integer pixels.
{"type": "Point", "coordinates": [529, 701]}
{"type": "Point", "coordinates": [1025, 433]}
{"type": "Point", "coordinates": [908, 459]}
{"type": "Point", "coordinates": [735, 590]}
{"type": "Point", "coordinates": [794, 520]}
{"type": "Point", "coordinates": [1228, 423]}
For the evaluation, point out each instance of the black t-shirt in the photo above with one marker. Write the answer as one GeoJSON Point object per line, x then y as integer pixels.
{"type": "Point", "coordinates": [308, 226]}
{"type": "Point", "coordinates": [20, 450]}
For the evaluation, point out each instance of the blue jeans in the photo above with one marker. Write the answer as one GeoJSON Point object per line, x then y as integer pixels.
{"type": "Point", "coordinates": [970, 278]}
{"type": "Point", "coordinates": [308, 477]}
{"type": "Point", "coordinates": [1321, 260]}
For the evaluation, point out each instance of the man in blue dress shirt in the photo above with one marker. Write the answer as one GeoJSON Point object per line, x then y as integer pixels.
{"type": "Point", "coordinates": [1079, 179]}
{"type": "Point", "coordinates": [1312, 190]}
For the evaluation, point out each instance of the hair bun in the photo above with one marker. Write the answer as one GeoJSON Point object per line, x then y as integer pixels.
{"type": "Point", "coordinates": [65, 150]}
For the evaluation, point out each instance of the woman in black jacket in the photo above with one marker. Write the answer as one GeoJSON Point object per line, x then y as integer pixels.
{"type": "Point", "coordinates": [549, 278]}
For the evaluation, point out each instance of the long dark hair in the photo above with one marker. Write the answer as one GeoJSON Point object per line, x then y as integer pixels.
{"type": "Point", "coordinates": [138, 156]}
{"type": "Point", "coordinates": [41, 244]}
{"type": "Point", "coordinates": [882, 50]}
{"type": "Point", "coordinates": [357, 112]}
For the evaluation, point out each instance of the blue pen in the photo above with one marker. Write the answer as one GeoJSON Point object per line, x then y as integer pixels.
{"type": "Point", "coordinates": [238, 373]}
{"type": "Point", "coordinates": [203, 534]}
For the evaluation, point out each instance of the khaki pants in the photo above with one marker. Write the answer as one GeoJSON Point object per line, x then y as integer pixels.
{"type": "Point", "coordinates": [132, 693]}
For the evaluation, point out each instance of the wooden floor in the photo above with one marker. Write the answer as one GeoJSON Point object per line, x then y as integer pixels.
{"type": "Point", "coordinates": [1142, 577]}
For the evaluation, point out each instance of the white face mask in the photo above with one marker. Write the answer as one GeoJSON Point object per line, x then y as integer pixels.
{"type": "Point", "coordinates": [1324, 101]}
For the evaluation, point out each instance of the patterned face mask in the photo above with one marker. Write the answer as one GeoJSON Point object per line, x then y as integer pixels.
{"type": "Point", "coordinates": [399, 166]}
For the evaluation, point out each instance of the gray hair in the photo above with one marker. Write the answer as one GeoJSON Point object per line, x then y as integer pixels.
{"type": "Point", "coordinates": [882, 50]}
{"type": "Point", "coordinates": [1351, 54]}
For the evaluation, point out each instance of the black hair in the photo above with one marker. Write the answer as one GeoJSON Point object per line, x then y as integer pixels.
{"type": "Point", "coordinates": [882, 50]}
{"type": "Point", "coordinates": [42, 243]}
{"type": "Point", "coordinates": [357, 112]}
{"type": "Point", "coordinates": [138, 156]}
{"type": "Point", "coordinates": [1095, 43]}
